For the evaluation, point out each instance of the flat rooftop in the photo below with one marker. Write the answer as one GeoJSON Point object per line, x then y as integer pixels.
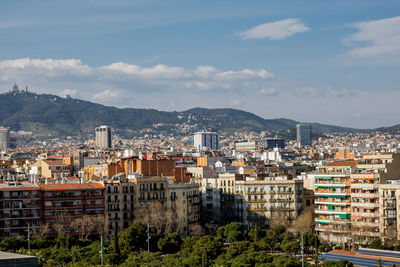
{"type": "Point", "coordinates": [12, 256]}
{"type": "Point", "coordinates": [11, 185]}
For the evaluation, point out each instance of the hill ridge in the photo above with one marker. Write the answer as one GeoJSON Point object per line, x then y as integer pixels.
{"type": "Point", "coordinates": [47, 114]}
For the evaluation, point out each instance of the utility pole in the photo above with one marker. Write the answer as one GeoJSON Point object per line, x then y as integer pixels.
{"type": "Point", "coordinates": [29, 237]}
{"type": "Point", "coordinates": [302, 251]}
{"type": "Point", "coordinates": [148, 237]}
{"type": "Point", "coordinates": [101, 250]}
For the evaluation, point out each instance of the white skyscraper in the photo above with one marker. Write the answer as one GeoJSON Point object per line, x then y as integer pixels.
{"type": "Point", "coordinates": [207, 140]}
{"type": "Point", "coordinates": [103, 137]}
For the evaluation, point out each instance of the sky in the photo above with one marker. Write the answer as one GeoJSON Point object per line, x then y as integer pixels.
{"type": "Point", "coordinates": [333, 62]}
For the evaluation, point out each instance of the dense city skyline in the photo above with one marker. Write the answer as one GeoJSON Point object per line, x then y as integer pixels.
{"type": "Point", "coordinates": [273, 59]}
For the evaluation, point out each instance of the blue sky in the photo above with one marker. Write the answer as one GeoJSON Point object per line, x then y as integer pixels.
{"type": "Point", "coordinates": [333, 62]}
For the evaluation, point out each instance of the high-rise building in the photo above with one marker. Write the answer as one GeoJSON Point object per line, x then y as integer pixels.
{"type": "Point", "coordinates": [208, 140]}
{"type": "Point", "coordinates": [4, 138]}
{"type": "Point", "coordinates": [303, 134]}
{"type": "Point", "coordinates": [103, 137]}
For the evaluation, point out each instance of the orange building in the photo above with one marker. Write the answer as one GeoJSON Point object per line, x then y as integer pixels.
{"type": "Point", "coordinates": [343, 154]}
{"type": "Point", "coordinates": [148, 168]}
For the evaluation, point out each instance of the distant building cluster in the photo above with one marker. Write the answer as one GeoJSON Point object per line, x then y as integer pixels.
{"type": "Point", "coordinates": [347, 185]}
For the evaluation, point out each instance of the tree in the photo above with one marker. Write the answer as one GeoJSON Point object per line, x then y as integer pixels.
{"type": "Point", "coordinates": [87, 225]}
{"type": "Point", "coordinates": [62, 223]}
{"type": "Point", "coordinates": [160, 218]}
{"type": "Point", "coordinates": [376, 244]}
{"type": "Point", "coordinates": [133, 238]}
{"type": "Point", "coordinates": [291, 247]}
{"type": "Point", "coordinates": [324, 248]}
{"type": "Point", "coordinates": [304, 223]}
{"type": "Point", "coordinates": [169, 243]}
{"type": "Point", "coordinates": [12, 243]}
{"type": "Point", "coordinates": [40, 231]}
{"type": "Point", "coordinates": [209, 245]}
{"type": "Point", "coordinates": [269, 241]}
{"type": "Point", "coordinates": [231, 232]}
{"type": "Point", "coordinates": [116, 242]}
{"type": "Point", "coordinates": [196, 230]}
{"type": "Point", "coordinates": [256, 233]}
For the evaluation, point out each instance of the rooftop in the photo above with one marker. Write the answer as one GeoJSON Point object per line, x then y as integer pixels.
{"type": "Point", "coordinates": [350, 163]}
{"type": "Point", "coordinates": [12, 185]}
{"type": "Point", "coordinates": [86, 186]}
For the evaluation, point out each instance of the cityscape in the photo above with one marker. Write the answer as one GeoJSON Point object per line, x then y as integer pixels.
{"type": "Point", "coordinates": [175, 133]}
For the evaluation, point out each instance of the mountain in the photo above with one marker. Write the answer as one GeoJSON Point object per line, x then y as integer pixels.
{"type": "Point", "coordinates": [391, 129]}
{"type": "Point", "coordinates": [45, 115]}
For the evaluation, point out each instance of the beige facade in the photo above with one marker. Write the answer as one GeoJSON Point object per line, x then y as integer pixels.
{"type": "Point", "coordinates": [389, 212]}
{"type": "Point", "coordinates": [270, 201]}
{"type": "Point", "coordinates": [120, 200]}
{"type": "Point", "coordinates": [164, 205]}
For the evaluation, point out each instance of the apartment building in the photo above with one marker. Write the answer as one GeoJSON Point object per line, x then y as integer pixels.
{"type": "Point", "coordinates": [184, 201]}
{"type": "Point", "coordinates": [120, 198]}
{"type": "Point", "coordinates": [333, 207]}
{"type": "Point", "coordinates": [365, 214]}
{"type": "Point", "coordinates": [210, 198]}
{"type": "Point", "coordinates": [166, 205]}
{"type": "Point", "coordinates": [19, 208]}
{"type": "Point", "coordinates": [389, 211]}
{"type": "Point", "coordinates": [268, 202]}
{"type": "Point", "coordinates": [62, 203]}
{"type": "Point", "coordinates": [368, 206]}
{"type": "Point", "coordinates": [53, 168]}
{"type": "Point", "coordinates": [226, 185]}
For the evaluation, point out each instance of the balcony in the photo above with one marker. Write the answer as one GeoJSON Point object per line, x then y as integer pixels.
{"type": "Point", "coordinates": [332, 185]}
{"type": "Point", "coordinates": [23, 207]}
{"type": "Point", "coordinates": [332, 221]}
{"type": "Point", "coordinates": [334, 203]}
{"type": "Point", "coordinates": [365, 195]}
{"type": "Point", "coordinates": [332, 230]}
{"type": "Point", "coordinates": [323, 211]}
{"type": "Point", "coordinates": [365, 204]}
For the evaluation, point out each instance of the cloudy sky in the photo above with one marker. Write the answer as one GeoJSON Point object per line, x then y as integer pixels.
{"type": "Point", "coordinates": [335, 62]}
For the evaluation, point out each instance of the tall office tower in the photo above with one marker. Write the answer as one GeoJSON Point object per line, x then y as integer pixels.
{"type": "Point", "coordinates": [207, 140]}
{"type": "Point", "coordinates": [4, 138]}
{"type": "Point", "coordinates": [303, 134]}
{"type": "Point", "coordinates": [103, 137]}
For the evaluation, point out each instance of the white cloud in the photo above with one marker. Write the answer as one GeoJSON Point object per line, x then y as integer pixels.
{"type": "Point", "coordinates": [105, 95]}
{"type": "Point", "coordinates": [244, 74]}
{"type": "Point", "coordinates": [322, 92]}
{"type": "Point", "coordinates": [276, 30]}
{"type": "Point", "coordinates": [236, 103]}
{"type": "Point", "coordinates": [268, 91]}
{"type": "Point", "coordinates": [379, 36]}
{"type": "Point", "coordinates": [98, 82]}
{"type": "Point", "coordinates": [158, 71]}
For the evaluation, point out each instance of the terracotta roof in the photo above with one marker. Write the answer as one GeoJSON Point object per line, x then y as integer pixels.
{"type": "Point", "coordinates": [350, 163]}
{"type": "Point", "coordinates": [72, 186]}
